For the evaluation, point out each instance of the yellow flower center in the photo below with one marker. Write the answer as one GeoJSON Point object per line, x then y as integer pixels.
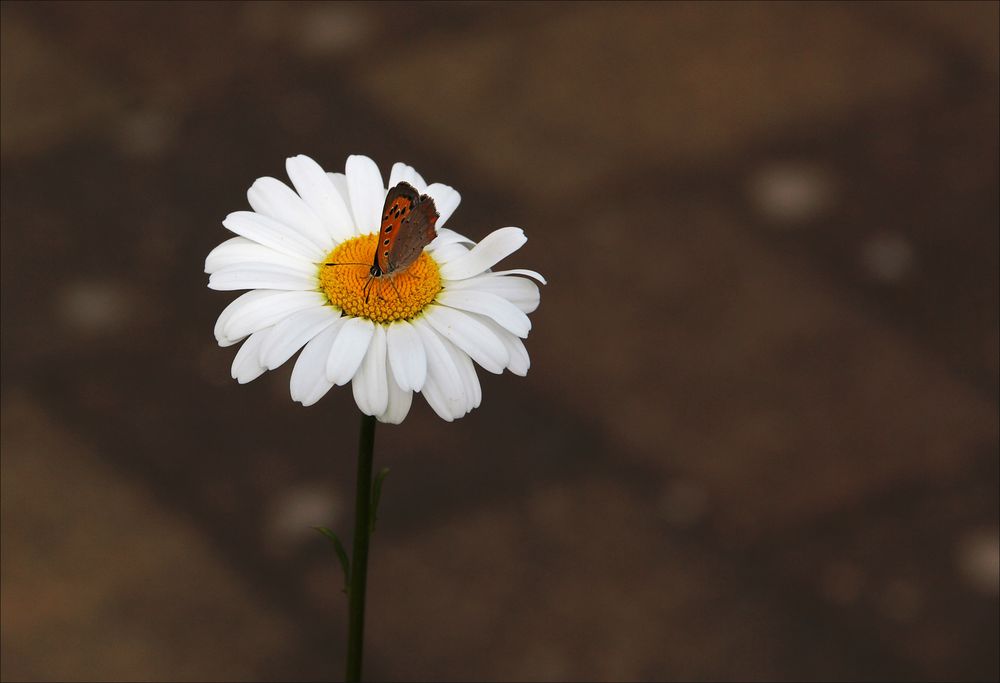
{"type": "Point", "coordinates": [399, 296]}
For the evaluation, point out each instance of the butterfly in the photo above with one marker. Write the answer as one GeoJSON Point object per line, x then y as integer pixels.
{"type": "Point", "coordinates": [408, 225]}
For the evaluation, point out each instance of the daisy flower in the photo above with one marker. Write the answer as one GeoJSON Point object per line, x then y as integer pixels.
{"type": "Point", "coordinates": [417, 330]}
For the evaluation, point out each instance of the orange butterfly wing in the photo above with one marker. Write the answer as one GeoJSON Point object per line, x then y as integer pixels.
{"type": "Point", "coordinates": [408, 225]}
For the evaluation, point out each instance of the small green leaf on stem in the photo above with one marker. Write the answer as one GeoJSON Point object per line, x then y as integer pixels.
{"type": "Point", "coordinates": [341, 553]}
{"type": "Point", "coordinates": [377, 494]}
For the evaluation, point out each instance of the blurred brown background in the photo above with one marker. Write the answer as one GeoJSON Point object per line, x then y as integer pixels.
{"type": "Point", "coordinates": [759, 437]}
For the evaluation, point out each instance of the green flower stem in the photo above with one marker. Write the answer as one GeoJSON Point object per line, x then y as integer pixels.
{"type": "Point", "coordinates": [359, 559]}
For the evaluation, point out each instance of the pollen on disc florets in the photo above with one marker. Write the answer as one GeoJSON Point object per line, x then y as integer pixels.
{"type": "Point", "coordinates": [397, 296]}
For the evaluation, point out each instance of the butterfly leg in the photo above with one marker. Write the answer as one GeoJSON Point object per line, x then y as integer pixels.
{"type": "Point", "coordinates": [394, 288]}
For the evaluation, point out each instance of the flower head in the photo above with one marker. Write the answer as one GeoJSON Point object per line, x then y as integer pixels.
{"type": "Point", "coordinates": [306, 256]}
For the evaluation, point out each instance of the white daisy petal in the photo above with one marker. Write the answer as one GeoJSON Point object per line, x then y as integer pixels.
{"type": "Point", "coordinates": [339, 181]}
{"type": "Point", "coordinates": [517, 271]}
{"type": "Point", "coordinates": [444, 388]}
{"type": "Point", "coordinates": [519, 361]}
{"type": "Point", "coordinates": [509, 316]}
{"type": "Point", "coordinates": [271, 233]}
{"type": "Point", "coordinates": [446, 236]}
{"type": "Point", "coordinates": [470, 382]}
{"type": "Point", "coordinates": [226, 334]}
{"type": "Point", "coordinates": [398, 405]}
{"type": "Point", "coordinates": [260, 276]}
{"type": "Point", "coordinates": [364, 183]}
{"type": "Point", "coordinates": [519, 291]}
{"type": "Point", "coordinates": [470, 335]}
{"type": "Point", "coordinates": [238, 250]}
{"type": "Point", "coordinates": [228, 253]}
{"type": "Point", "coordinates": [254, 255]}
{"type": "Point", "coordinates": [246, 364]}
{"type": "Point", "coordinates": [403, 173]}
{"type": "Point", "coordinates": [270, 308]}
{"type": "Point", "coordinates": [234, 307]}
{"type": "Point", "coordinates": [446, 200]}
{"type": "Point", "coordinates": [349, 350]}
{"type": "Point", "coordinates": [497, 245]}
{"type": "Point", "coordinates": [293, 332]}
{"type": "Point", "coordinates": [436, 400]}
{"type": "Point", "coordinates": [370, 384]}
{"type": "Point", "coordinates": [272, 198]}
{"type": "Point", "coordinates": [407, 357]}
{"type": "Point", "coordinates": [317, 190]}
{"type": "Point", "coordinates": [449, 252]}
{"type": "Point", "coordinates": [309, 383]}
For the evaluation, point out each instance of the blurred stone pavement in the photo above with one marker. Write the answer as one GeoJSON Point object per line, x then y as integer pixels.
{"type": "Point", "coordinates": [759, 437]}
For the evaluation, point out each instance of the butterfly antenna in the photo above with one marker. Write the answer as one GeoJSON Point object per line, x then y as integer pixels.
{"type": "Point", "coordinates": [348, 263]}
